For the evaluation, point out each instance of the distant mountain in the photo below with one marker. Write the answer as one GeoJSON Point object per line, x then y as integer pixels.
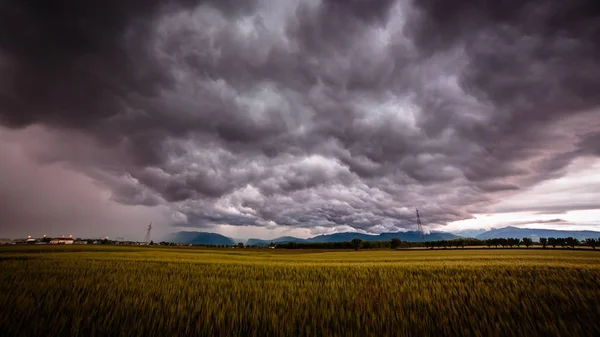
{"type": "Point", "coordinates": [469, 233]}
{"type": "Point", "coordinates": [283, 239]}
{"type": "Point", "coordinates": [514, 232]}
{"type": "Point", "coordinates": [404, 236]}
{"type": "Point", "coordinates": [201, 238]}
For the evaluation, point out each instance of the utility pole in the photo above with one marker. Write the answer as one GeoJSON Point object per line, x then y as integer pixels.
{"type": "Point", "coordinates": [148, 231]}
{"type": "Point", "coordinates": [420, 227]}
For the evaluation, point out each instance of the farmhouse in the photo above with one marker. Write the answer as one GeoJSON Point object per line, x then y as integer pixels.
{"type": "Point", "coordinates": [61, 241]}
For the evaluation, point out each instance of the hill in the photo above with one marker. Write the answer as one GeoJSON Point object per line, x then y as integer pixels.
{"type": "Point", "coordinates": [514, 232]}
{"type": "Point", "coordinates": [469, 233]}
{"type": "Point", "coordinates": [404, 236]}
{"type": "Point", "coordinates": [204, 238]}
{"type": "Point", "coordinates": [201, 238]}
{"type": "Point", "coordinates": [283, 239]}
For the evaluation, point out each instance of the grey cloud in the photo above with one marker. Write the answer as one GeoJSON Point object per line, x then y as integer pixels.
{"type": "Point", "coordinates": [306, 113]}
{"type": "Point", "coordinates": [529, 222]}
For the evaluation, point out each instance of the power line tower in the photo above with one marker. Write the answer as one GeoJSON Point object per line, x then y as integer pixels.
{"type": "Point", "coordinates": [420, 227]}
{"type": "Point", "coordinates": [148, 233]}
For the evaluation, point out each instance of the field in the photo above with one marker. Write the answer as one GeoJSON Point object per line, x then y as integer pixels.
{"type": "Point", "coordinates": [127, 291]}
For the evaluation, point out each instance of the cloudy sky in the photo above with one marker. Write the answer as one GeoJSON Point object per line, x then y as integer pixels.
{"type": "Point", "coordinates": [297, 117]}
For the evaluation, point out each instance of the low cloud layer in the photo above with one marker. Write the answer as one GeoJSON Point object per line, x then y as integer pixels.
{"type": "Point", "coordinates": [308, 114]}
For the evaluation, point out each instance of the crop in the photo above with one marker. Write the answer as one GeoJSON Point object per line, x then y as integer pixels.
{"type": "Point", "coordinates": [116, 291]}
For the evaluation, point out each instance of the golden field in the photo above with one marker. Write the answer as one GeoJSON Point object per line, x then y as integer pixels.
{"type": "Point", "coordinates": [154, 291]}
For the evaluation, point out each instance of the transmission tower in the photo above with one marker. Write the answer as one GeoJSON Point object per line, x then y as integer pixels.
{"type": "Point", "coordinates": [420, 227]}
{"type": "Point", "coordinates": [148, 233]}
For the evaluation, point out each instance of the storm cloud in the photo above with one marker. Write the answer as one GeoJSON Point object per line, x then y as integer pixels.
{"type": "Point", "coordinates": [309, 114]}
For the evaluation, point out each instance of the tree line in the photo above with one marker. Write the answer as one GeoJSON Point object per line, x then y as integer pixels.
{"type": "Point", "coordinates": [395, 243]}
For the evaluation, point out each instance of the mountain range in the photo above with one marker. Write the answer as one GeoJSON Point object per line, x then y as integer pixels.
{"type": "Point", "coordinates": [204, 238]}
{"type": "Point", "coordinates": [514, 232]}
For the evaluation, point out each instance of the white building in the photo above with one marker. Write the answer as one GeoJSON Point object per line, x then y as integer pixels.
{"type": "Point", "coordinates": [61, 241]}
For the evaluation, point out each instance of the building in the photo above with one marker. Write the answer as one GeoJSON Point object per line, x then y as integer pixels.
{"type": "Point", "coordinates": [61, 241]}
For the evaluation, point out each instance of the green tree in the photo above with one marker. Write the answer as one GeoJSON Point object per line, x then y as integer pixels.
{"type": "Point", "coordinates": [543, 242]}
{"type": "Point", "coordinates": [591, 242]}
{"type": "Point", "coordinates": [572, 242]}
{"type": "Point", "coordinates": [512, 242]}
{"type": "Point", "coordinates": [553, 242]}
{"type": "Point", "coordinates": [527, 242]}
{"type": "Point", "coordinates": [562, 242]}
{"type": "Point", "coordinates": [395, 243]}
{"type": "Point", "coordinates": [240, 245]}
{"type": "Point", "coordinates": [357, 243]}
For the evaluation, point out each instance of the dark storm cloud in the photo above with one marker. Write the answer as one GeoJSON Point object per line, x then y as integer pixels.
{"type": "Point", "coordinates": [529, 222]}
{"type": "Point", "coordinates": [534, 62]}
{"type": "Point", "coordinates": [306, 113]}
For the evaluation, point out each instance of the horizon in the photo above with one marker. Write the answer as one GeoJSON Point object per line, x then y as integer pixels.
{"type": "Point", "coordinates": [297, 118]}
{"type": "Point", "coordinates": [237, 238]}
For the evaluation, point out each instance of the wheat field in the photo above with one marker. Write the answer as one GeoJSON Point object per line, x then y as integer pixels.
{"type": "Point", "coordinates": [148, 291]}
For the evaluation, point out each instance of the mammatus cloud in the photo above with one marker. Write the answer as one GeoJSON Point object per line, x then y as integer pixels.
{"type": "Point", "coordinates": [309, 114]}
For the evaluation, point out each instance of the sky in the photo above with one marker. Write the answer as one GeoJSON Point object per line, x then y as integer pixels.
{"type": "Point", "coordinates": [261, 118]}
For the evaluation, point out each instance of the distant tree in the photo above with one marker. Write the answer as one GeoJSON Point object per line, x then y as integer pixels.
{"type": "Point", "coordinates": [562, 242]}
{"type": "Point", "coordinates": [240, 245]}
{"type": "Point", "coordinates": [395, 243]}
{"type": "Point", "coordinates": [151, 243]}
{"type": "Point", "coordinates": [543, 242]}
{"type": "Point", "coordinates": [512, 242]}
{"type": "Point", "coordinates": [357, 243]}
{"type": "Point", "coordinates": [527, 242]}
{"type": "Point", "coordinates": [489, 243]}
{"type": "Point", "coordinates": [591, 242]}
{"type": "Point", "coordinates": [572, 242]}
{"type": "Point", "coordinates": [553, 242]}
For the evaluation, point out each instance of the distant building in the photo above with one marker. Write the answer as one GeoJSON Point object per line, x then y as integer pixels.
{"type": "Point", "coordinates": [61, 241]}
{"type": "Point", "coordinates": [31, 241]}
{"type": "Point", "coordinates": [6, 242]}
{"type": "Point", "coordinates": [80, 242]}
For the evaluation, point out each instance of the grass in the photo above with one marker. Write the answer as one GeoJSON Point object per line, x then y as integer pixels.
{"type": "Point", "coordinates": [125, 291]}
